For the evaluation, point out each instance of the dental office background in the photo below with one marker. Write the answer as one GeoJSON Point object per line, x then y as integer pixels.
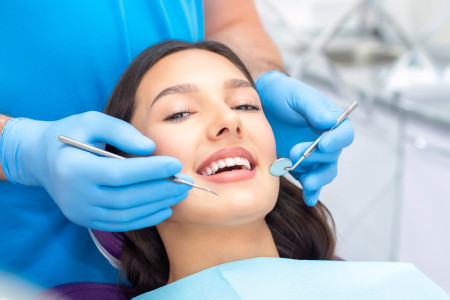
{"type": "Point", "coordinates": [391, 198]}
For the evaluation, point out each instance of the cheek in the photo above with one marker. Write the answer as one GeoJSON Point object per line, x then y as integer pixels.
{"type": "Point", "coordinates": [171, 141]}
{"type": "Point", "coordinates": [264, 139]}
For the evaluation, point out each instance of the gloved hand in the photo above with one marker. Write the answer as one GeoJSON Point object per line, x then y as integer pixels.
{"type": "Point", "coordinates": [298, 114]}
{"type": "Point", "coordinates": [92, 191]}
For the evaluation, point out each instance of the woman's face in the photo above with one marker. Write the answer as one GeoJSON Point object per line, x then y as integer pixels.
{"type": "Point", "coordinates": [197, 106]}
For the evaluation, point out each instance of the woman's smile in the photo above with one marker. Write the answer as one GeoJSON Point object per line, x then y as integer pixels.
{"type": "Point", "coordinates": [228, 165]}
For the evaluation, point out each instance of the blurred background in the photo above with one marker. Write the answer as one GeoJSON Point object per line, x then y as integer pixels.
{"type": "Point", "coordinates": [391, 199]}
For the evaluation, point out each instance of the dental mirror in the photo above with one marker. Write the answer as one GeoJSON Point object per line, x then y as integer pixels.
{"type": "Point", "coordinates": [279, 167]}
{"type": "Point", "coordinates": [283, 165]}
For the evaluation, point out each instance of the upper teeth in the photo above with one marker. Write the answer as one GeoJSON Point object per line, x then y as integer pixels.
{"type": "Point", "coordinates": [225, 162]}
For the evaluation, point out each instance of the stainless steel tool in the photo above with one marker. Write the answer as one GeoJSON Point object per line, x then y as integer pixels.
{"type": "Point", "coordinates": [100, 152]}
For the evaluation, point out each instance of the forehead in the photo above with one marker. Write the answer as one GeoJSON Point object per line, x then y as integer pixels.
{"type": "Point", "coordinates": [193, 65]}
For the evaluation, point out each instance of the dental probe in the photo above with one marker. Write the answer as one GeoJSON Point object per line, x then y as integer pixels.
{"type": "Point", "coordinates": [100, 152]}
{"type": "Point", "coordinates": [282, 165]}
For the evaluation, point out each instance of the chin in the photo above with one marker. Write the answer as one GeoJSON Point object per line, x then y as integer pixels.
{"type": "Point", "coordinates": [247, 201]}
{"type": "Point", "coordinates": [235, 206]}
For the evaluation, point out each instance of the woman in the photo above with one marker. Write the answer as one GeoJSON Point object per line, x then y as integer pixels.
{"type": "Point", "coordinates": [198, 103]}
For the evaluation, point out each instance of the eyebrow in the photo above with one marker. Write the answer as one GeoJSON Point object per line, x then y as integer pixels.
{"type": "Point", "coordinates": [191, 88]}
{"type": "Point", "coordinates": [176, 89]}
{"type": "Point", "coordinates": [236, 83]}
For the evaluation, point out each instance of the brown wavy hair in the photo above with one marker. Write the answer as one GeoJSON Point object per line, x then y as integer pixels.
{"type": "Point", "coordinates": [299, 231]}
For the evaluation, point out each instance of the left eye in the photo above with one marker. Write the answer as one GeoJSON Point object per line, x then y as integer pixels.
{"type": "Point", "coordinates": [246, 107]}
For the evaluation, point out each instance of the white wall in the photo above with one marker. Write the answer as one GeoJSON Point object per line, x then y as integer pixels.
{"type": "Point", "coordinates": [391, 200]}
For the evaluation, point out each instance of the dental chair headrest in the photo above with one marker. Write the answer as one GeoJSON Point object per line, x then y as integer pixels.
{"type": "Point", "coordinates": [110, 245]}
{"type": "Point", "coordinates": [88, 291]}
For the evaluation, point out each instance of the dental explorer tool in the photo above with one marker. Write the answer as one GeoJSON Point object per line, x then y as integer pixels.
{"type": "Point", "coordinates": [100, 152]}
{"type": "Point", "coordinates": [282, 165]}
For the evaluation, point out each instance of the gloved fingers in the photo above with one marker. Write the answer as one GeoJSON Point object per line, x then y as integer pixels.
{"type": "Point", "coordinates": [138, 195]}
{"type": "Point", "coordinates": [321, 175]}
{"type": "Point", "coordinates": [118, 133]}
{"type": "Point", "coordinates": [311, 197]}
{"type": "Point", "coordinates": [124, 216]}
{"type": "Point", "coordinates": [340, 137]}
{"type": "Point", "coordinates": [317, 157]}
{"type": "Point", "coordinates": [120, 172]}
{"type": "Point", "coordinates": [147, 221]}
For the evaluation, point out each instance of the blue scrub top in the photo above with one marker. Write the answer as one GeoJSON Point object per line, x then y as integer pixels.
{"type": "Point", "coordinates": [59, 58]}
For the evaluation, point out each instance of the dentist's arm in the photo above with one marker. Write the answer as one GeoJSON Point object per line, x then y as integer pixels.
{"type": "Point", "coordinates": [296, 112]}
{"type": "Point", "coordinates": [3, 120]}
{"type": "Point", "coordinates": [236, 23]}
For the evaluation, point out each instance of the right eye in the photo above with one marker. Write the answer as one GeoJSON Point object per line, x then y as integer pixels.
{"type": "Point", "coordinates": [178, 116]}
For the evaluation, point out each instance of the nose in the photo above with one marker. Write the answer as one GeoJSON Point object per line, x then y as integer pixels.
{"type": "Point", "coordinates": [225, 122]}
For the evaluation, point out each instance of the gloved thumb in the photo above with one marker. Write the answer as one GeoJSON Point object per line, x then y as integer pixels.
{"type": "Point", "coordinates": [295, 102]}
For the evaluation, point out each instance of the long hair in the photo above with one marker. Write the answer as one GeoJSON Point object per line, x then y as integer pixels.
{"type": "Point", "coordinates": [299, 231]}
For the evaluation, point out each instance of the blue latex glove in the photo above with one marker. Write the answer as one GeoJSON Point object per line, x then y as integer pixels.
{"type": "Point", "coordinates": [298, 114]}
{"type": "Point", "coordinates": [92, 191]}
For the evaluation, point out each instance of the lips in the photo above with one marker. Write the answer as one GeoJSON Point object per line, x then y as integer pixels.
{"type": "Point", "coordinates": [228, 164]}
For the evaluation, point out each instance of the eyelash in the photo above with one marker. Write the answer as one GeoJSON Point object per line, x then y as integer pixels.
{"type": "Point", "coordinates": [251, 106]}
{"type": "Point", "coordinates": [183, 114]}
{"type": "Point", "coordinates": [175, 117]}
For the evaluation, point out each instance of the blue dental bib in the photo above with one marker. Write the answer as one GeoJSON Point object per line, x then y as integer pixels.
{"type": "Point", "coordinates": [281, 278]}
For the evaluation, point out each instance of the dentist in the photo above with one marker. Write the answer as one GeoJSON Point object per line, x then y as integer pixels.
{"type": "Point", "coordinates": [59, 61]}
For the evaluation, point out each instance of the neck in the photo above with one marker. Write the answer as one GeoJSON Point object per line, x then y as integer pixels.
{"type": "Point", "coordinates": [192, 248]}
